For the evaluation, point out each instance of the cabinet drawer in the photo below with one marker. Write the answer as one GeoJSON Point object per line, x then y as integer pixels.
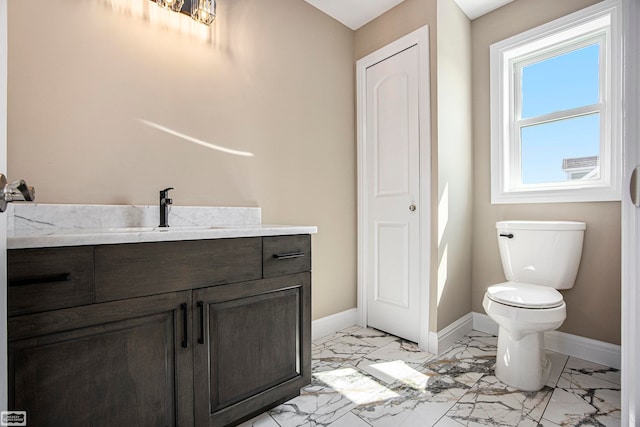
{"type": "Point", "coordinates": [285, 255]}
{"type": "Point", "coordinates": [139, 269]}
{"type": "Point", "coordinates": [49, 278]}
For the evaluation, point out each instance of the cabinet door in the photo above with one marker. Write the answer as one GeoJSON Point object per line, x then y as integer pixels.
{"type": "Point", "coordinates": [125, 363]}
{"type": "Point", "coordinates": [253, 349]}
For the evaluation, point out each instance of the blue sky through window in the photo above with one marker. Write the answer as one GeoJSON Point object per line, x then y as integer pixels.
{"type": "Point", "coordinates": [559, 83]}
{"type": "Point", "coordinates": [562, 82]}
{"type": "Point", "coordinates": [544, 146]}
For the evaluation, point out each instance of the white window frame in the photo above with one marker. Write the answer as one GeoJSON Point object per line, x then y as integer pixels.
{"type": "Point", "coordinates": [595, 24]}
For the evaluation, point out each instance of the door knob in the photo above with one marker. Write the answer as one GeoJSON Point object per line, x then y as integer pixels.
{"type": "Point", "coordinates": [412, 208]}
{"type": "Point", "coordinates": [634, 187]}
{"type": "Point", "coordinates": [16, 191]}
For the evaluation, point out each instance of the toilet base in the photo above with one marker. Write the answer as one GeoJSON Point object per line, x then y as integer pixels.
{"type": "Point", "coordinates": [522, 364]}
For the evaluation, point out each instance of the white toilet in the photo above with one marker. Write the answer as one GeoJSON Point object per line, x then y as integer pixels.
{"type": "Point", "coordinates": [538, 258]}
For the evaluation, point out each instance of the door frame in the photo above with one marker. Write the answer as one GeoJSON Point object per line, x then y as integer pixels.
{"type": "Point", "coordinates": [630, 397]}
{"type": "Point", "coordinates": [420, 38]}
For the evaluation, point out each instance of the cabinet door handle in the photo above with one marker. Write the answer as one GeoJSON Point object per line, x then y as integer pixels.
{"type": "Point", "coordinates": [34, 280]}
{"type": "Point", "coordinates": [185, 324]}
{"type": "Point", "coordinates": [201, 339]}
{"type": "Point", "coordinates": [289, 255]}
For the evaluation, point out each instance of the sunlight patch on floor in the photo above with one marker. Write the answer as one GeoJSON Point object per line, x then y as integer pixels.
{"type": "Point", "coordinates": [355, 386]}
{"type": "Point", "coordinates": [399, 371]}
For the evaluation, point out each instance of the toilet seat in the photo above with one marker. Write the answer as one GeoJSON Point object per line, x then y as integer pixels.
{"type": "Point", "coordinates": [525, 295]}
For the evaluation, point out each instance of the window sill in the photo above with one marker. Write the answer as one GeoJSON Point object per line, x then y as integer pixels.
{"type": "Point", "coordinates": [567, 195]}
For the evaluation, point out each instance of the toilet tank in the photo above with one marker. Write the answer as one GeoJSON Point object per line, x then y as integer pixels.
{"type": "Point", "coordinates": [541, 252]}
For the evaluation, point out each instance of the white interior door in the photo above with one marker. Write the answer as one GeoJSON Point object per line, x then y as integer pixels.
{"type": "Point", "coordinates": [3, 217]}
{"type": "Point", "coordinates": [393, 194]}
{"type": "Point", "coordinates": [631, 220]}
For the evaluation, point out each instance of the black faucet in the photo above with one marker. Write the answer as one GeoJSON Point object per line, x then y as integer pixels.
{"type": "Point", "coordinates": [165, 201]}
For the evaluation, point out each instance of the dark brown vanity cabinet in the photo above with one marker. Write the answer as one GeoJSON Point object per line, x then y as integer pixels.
{"type": "Point", "coordinates": [194, 336]}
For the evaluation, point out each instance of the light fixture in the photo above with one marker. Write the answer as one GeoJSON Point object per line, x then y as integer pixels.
{"type": "Point", "coordinates": [203, 11]}
{"type": "Point", "coordinates": [175, 5]}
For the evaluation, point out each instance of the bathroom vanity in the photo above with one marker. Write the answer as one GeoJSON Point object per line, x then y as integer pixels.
{"type": "Point", "coordinates": [206, 331]}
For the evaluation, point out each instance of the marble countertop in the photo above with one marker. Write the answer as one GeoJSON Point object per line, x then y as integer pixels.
{"type": "Point", "coordinates": [37, 226]}
{"type": "Point", "coordinates": [79, 237]}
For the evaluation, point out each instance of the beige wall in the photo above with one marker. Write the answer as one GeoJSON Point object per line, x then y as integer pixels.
{"type": "Point", "coordinates": [454, 164]}
{"type": "Point", "coordinates": [275, 80]}
{"type": "Point", "coordinates": [397, 22]}
{"type": "Point", "coordinates": [593, 305]}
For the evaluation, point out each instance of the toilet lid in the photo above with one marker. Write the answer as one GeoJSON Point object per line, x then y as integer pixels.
{"type": "Point", "coordinates": [525, 295]}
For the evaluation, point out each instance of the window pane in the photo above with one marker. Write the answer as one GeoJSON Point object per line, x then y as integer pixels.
{"type": "Point", "coordinates": [565, 81]}
{"type": "Point", "coordinates": [560, 151]}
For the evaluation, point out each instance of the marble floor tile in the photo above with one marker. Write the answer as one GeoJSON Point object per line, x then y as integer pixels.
{"type": "Point", "coordinates": [320, 341]}
{"type": "Point", "coordinates": [409, 413]}
{"type": "Point", "coordinates": [482, 336]}
{"type": "Point", "coordinates": [447, 422]}
{"type": "Point", "coordinates": [423, 398]}
{"type": "Point", "coordinates": [471, 347]}
{"type": "Point", "coordinates": [424, 409]}
{"type": "Point", "coordinates": [374, 337]}
{"type": "Point", "coordinates": [578, 407]}
{"type": "Point", "coordinates": [490, 402]}
{"type": "Point", "coordinates": [350, 330]}
{"type": "Point", "coordinates": [262, 420]}
{"type": "Point", "coordinates": [394, 371]}
{"type": "Point", "coordinates": [558, 362]}
{"type": "Point", "coordinates": [580, 373]}
{"type": "Point", "coordinates": [316, 406]}
{"type": "Point", "coordinates": [355, 385]}
{"type": "Point", "coordinates": [349, 420]}
{"type": "Point", "coordinates": [586, 394]}
{"type": "Point", "coordinates": [456, 367]}
{"type": "Point", "coordinates": [364, 377]}
{"type": "Point", "coordinates": [340, 351]}
{"type": "Point", "coordinates": [405, 351]}
{"type": "Point", "coordinates": [546, 423]}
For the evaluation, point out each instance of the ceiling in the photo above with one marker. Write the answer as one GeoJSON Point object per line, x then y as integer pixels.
{"type": "Point", "coordinates": [355, 13]}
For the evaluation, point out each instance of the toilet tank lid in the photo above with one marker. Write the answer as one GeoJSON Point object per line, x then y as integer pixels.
{"type": "Point", "coordinates": [540, 225]}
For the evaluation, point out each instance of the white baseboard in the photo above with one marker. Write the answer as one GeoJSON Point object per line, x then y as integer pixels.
{"type": "Point", "coordinates": [573, 345]}
{"type": "Point", "coordinates": [440, 341]}
{"type": "Point", "coordinates": [333, 323]}
{"type": "Point", "coordinates": [483, 323]}
{"type": "Point", "coordinates": [589, 349]}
